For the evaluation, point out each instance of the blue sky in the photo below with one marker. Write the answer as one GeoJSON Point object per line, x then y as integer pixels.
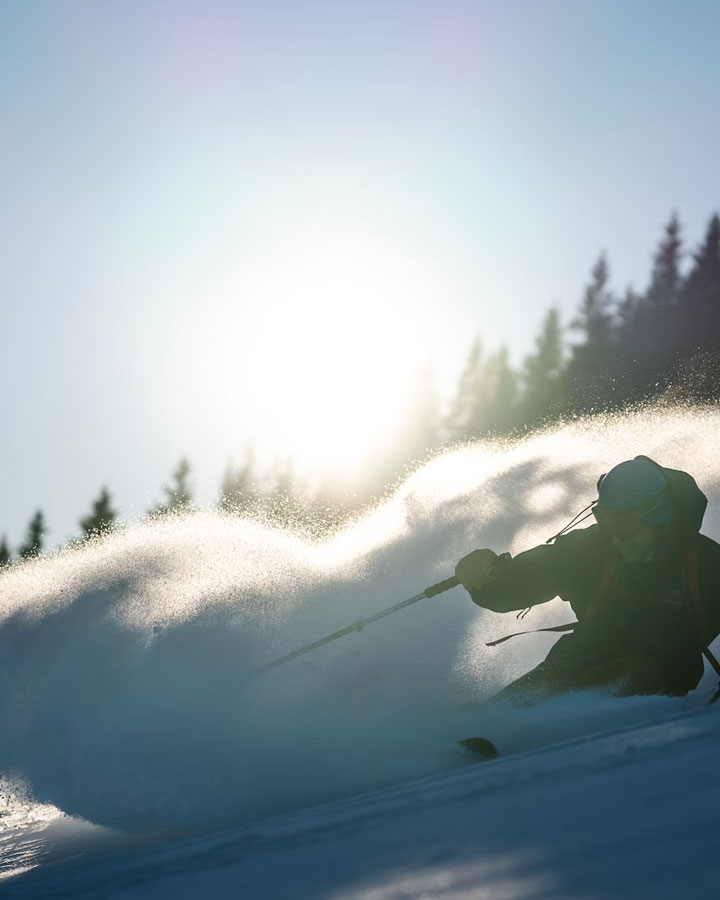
{"type": "Point", "coordinates": [175, 175]}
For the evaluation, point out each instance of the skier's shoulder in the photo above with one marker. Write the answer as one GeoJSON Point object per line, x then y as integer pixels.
{"type": "Point", "coordinates": [581, 541]}
{"type": "Point", "coordinates": [574, 551]}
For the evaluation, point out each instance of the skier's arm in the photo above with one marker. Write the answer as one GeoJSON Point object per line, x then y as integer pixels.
{"type": "Point", "coordinates": [502, 584]}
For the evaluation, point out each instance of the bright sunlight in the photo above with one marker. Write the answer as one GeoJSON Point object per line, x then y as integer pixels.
{"type": "Point", "coordinates": [311, 345]}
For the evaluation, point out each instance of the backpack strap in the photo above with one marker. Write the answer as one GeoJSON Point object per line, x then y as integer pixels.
{"type": "Point", "coordinates": [597, 597]}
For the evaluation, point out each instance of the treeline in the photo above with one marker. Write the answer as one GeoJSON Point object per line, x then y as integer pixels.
{"type": "Point", "coordinates": [622, 349]}
{"type": "Point", "coordinates": [277, 498]}
{"type": "Point", "coordinates": [98, 522]}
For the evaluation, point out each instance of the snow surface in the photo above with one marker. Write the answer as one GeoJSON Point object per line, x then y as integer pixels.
{"type": "Point", "coordinates": [632, 814]}
{"type": "Point", "coordinates": [129, 698]}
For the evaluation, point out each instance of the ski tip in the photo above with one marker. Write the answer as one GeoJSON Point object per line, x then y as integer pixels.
{"type": "Point", "coordinates": [478, 749]}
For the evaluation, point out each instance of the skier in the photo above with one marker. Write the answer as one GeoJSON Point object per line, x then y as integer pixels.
{"type": "Point", "coordinates": [642, 581]}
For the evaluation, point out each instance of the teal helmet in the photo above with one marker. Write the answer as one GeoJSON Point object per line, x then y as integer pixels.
{"type": "Point", "coordinates": [635, 485]}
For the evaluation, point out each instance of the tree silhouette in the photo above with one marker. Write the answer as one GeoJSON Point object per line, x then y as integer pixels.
{"type": "Point", "coordinates": [650, 336]}
{"type": "Point", "coordinates": [101, 519]}
{"type": "Point", "coordinates": [463, 409]}
{"type": "Point", "coordinates": [34, 540]}
{"type": "Point", "coordinates": [179, 493]}
{"type": "Point", "coordinates": [595, 317]}
{"type": "Point", "coordinates": [542, 371]}
{"type": "Point", "coordinates": [665, 279]}
{"type": "Point", "coordinates": [701, 297]}
{"type": "Point", "coordinates": [5, 555]}
{"type": "Point", "coordinates": [486, 397]}
{"type": "Point", "coordinates": [590, 382]}
{"type": "Point", "coordinates": [501, 392]}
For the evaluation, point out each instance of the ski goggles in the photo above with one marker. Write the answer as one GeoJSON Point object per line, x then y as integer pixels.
{"type": "Point", "coordinates": [623, 524]}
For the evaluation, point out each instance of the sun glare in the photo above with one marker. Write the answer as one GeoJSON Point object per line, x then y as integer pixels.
{"type": "Point", "coordinates": [315, 341]}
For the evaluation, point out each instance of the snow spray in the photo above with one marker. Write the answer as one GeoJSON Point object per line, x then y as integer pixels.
{"type": "Point", "coordinates": [126, 695]}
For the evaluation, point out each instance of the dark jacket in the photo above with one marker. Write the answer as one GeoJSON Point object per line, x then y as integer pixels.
{"type": "Point", "coordinates": [644, 610]}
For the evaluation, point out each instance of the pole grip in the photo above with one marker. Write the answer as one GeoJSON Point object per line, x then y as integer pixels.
{"type": "Point", "coordinates": [441, 587]}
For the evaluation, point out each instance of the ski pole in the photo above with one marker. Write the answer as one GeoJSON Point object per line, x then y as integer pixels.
{"type": "Point", "coordinates": [432, 591]}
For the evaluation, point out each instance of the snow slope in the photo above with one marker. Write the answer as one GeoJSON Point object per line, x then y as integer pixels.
{"type": "Point", "coordinates": [128, 693]}
{"type": "Point", "coordinates": [632, 814]}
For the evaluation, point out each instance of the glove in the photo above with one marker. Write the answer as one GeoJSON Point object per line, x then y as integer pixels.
{"type": "Point", "coordinates": [473, 570]}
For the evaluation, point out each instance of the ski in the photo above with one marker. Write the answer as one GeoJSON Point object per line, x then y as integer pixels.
{"type": "Point", "coordinates": [478, 749]}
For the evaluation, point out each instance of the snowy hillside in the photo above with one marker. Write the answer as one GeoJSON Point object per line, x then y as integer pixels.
{"type": "Point", "coordinates": [633, 814]}
{"type": "Point", "coordinates": [129, 698]}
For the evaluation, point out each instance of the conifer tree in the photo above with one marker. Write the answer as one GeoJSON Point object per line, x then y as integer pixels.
{"type": "Point", "coordinates": [595, 319]}
{"type": "Point", "coordinates": [665, 280]}
{"type": "Point", "coordinates": [658, 325]}
{"type": "Point", "coordinates": [101, 519]}
{"type": "Point", "coordinates": [629, 312]}
{"type": "Point", "coordinates": [463, 409]}
{"type": "Point", "coordinates": [486, 401]}
{"type": "Point", "coordinates": [34, 540]}
{"type": "Point", "coordinates": [698, 321]}
{"type": "Point", "coordinates": [590, 379]}
{"type": "Point", "coordinates": [542, 371]}
{"type": "Point", "coordinates": [501, 394]}
{"type": "Point", "coordinates": [639, 345]}
{"type": "Point", "coordinates": [179, 493]}
{"type": "Point", "coordinates": [701, 296]}
{"type": "Point", "coordinates": [649, 324]}
{"type": "Point", "coordinates": [5, 555]}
